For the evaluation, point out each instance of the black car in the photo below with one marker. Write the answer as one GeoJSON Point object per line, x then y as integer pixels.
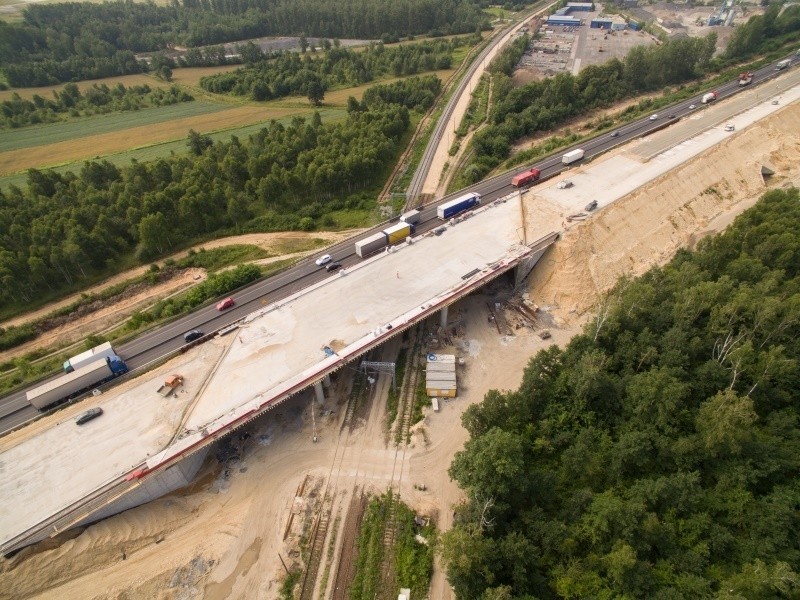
{"type": "Point", "coordinates": [614, 133]}
{"type": "Point", "coordinates": [90, 414]}
{"type": "Point", "coordinates": [192, 335]}
{"type": "Point", "coordinates": [335, 266]}
{"type": "Point", "coordinates": [592, 205]}
{"type": "Point", "coordinates": [673, 116]}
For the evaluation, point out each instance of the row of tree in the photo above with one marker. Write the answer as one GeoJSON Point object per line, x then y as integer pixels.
{"type": "Point", "coordinates": [656, 456]}
{"type": "Point", "coordinates": [291, 74]}
{"type": "Point", "coordinates": [542, 105]}
{"type": "Point", "coordinates": [778, 25]}
{"type": "Point", "coordinates": [98, 99]}
{"type": "Point", "coordinates": [63, 228]}
{"type": "Point", "coordinates": [74, 41]}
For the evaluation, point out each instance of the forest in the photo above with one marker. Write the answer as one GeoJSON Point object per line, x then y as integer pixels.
{"type": "Point", "coordinates": [77, 41]}
{"type": "Point", "coordinates": [291, 74]}
{"type": "Point", "coordinates": [656, 455]}
{"type": "Point", "coordinates": [62, 228]}
{"type": "Point", "coordinates": [70, 102]}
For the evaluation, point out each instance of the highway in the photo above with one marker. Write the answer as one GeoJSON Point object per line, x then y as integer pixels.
{"type": "Point", "coordinates": [15, 410]}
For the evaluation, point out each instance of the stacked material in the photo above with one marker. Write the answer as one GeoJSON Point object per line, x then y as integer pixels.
{"type": "Point", "coordinates": [440, 375]}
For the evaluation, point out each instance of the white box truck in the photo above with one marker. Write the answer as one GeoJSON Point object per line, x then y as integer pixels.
{"type": "Point", "coordinates": [572, 156]}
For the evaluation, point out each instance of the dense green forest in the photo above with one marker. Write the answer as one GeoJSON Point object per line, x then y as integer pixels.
{"type": "Point", "coordinates": [76, 41]}
{"type": "Point", "coordinates": [291, 74]}
{"type": "Point", "coordinates": [70, 102]}
{"type": "Point", "coordinates": [64, 227]}
{"type": "Point", "coordinates": [656, 456]}
{"type": "Point", "coordinates": [765, 33]}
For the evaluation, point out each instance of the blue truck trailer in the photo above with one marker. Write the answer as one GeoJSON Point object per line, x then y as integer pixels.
{"type": "Point", "coordinates": [459, 205]}
{"type": "Point", "coordinates": [78, 381]}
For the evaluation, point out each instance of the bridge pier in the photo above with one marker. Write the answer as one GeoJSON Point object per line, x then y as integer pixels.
{"type": "Point", "coordinates": [319, 392]}
{"type": "Point", "coordinates": [443, 317]}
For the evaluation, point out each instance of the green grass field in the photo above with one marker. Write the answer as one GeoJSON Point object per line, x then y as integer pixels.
{"type": "Point", "coordinates": [29, 137]}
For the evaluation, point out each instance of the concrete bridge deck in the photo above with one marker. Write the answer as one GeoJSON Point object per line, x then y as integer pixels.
{"type": "Point", "coordinates": [66, 474]}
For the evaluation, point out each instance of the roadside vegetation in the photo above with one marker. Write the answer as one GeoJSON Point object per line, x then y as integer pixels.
{"type": "Point", "coordinates": [381, 571]}
{"type": "Point", "coordinates": [656, 455]}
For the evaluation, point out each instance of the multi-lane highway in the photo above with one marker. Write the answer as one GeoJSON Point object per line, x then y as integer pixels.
{"type": "Point", "coordinates": [14, 409]}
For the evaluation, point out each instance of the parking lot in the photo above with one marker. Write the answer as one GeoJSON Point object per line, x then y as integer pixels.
{"type": "Point", "coordinates": [570, 48]}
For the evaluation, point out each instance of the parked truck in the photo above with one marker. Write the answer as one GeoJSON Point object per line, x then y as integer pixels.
{"type": "Point", "coordinates": [709, 97]}
{"type": "Point", "coordinates": [526, 177]}
{"type": "Point", "coordinates": [412, 217]}
{"type": "Point", "coordinates": [84, 358]}
{"type": "Point", "coordinates": [460, 204]}
{"type": "Point", "coordinates": [572, 156]}
{"type": "Point", "coordinates": [745, 78]}
{"type": "Point", "coordinates": [391, 235]}
{"type": "Point", "coordinates": [80, 380]}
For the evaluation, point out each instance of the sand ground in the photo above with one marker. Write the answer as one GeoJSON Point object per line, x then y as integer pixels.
{"type": "Point", "coordinates": [222, 537]}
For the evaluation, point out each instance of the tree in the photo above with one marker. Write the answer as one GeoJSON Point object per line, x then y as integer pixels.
{"type": "Point", "coordinates": [316, 92]}
{"type": "Point", "coordinates": [198, 143]}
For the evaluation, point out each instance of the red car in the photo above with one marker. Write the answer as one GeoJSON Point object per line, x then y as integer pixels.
{"type": "Point", "coordinates": [223, 304]}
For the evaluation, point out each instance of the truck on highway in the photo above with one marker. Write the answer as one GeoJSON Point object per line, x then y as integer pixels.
{"type": "Point", "coordinates": [73, 384]}
{"type": "Point", "coordinates": [709, 97]}
{"type": "Point", "coordinates": [391, 235]}
{"type": "Point", "coordinates": [572, 156]}
{"type": "Point", "coordinates": [526, 177]}
{"type": "Point", "coordinates": [398, 232]}
{"type": "Point", "coordinates": [412, 217]}
{"type": "Point", "coordinates": [84, 358]}
{"type": "Point", "coordinates": [460, 204]}
{"type": "Point", "coordinates": [783, 64]}
{"type": "Point", "coordinates": [745, 78]}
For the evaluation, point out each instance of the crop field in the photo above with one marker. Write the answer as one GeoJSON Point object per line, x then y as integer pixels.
{"type": "Point", "coordinates": [87, 127]}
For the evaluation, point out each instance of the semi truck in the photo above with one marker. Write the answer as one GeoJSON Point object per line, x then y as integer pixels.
{"type": "Point", "coordinates": [572, 156]}
{"type": "Point", "coordinates": [412, 217]}
{"type": "Point", "coordinates": [391, 235]}
{"type": "Point", "coordinates": [783, 64]}
{"type": "Point", "coordinates": [84, 358]}
{"type": "Point", "coordinates": [526, 177]}
{"type": "Point", "coordinates": [709, 97]}
{"type": "Point", "coordinates": [460, 204]}
{"type": "Point", "coordinates": [745, 78]}
{"type": "Point", "coordinates": [73, 384]}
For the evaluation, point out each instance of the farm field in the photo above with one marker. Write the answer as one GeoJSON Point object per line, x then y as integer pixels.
{"type": "Point", "coordinates": [39, 135]}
